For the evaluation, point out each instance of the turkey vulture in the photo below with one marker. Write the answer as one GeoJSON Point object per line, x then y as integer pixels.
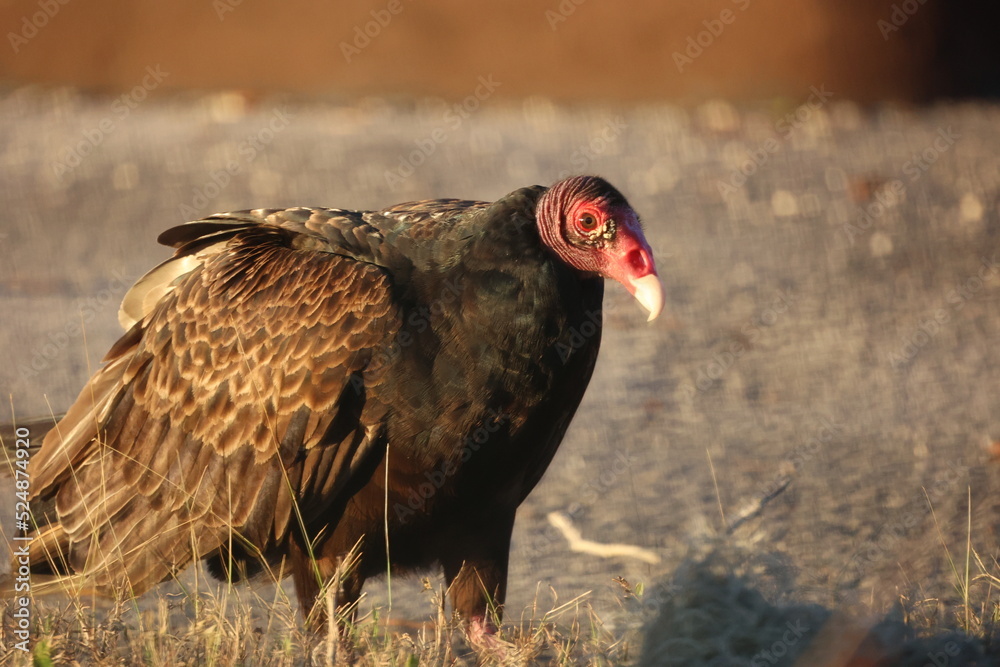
{"type": "Point", "coordinates": [297, 383]}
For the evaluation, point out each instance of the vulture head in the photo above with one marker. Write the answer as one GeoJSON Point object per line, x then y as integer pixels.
{"type": "Point", "coordinates": [591, 227]}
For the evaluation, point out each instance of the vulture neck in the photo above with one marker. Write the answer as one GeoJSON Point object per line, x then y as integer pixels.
{"type": "Point", "coordinates": [522, 280]}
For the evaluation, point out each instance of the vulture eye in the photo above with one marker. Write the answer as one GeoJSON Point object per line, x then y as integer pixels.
{"type": "Point", "coordinates": [587, 222]}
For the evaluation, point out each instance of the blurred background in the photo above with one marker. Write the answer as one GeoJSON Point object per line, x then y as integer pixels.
{"type": "Point", "coordinates": [569, 50]}
{"type": "Point", "coordinates": [820, 182]}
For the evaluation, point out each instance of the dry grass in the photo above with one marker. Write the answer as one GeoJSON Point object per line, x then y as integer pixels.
{"type": "Point", "coordinates": [714, 608]}
{"type": "Point", "coordinates": [975, 607]}
{"type": "Point", "coordinates": [260, 625]}
{"type": "Point", "coordinates": [712, 611]}
{"type": "Point", "coordinates": [195, 620]}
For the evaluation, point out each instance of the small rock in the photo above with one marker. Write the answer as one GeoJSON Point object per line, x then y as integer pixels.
{"type": "Point", "coordinates": [880, 244]}
{"type": "Point", "coordinates": [784, 204]}
{"type": "Point", "coordinates": [718, 116]}
{"type": "Point", "coordinates": [227, 106]}
{"type": "Point", "coordinates": [971, 208]}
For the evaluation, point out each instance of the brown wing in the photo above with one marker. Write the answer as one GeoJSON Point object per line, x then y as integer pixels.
{"type": "Point", "coordinates": [235, 408]}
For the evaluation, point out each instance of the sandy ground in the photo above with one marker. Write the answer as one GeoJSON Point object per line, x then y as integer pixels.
{"type": "Point", "coordinates": [831, 339]}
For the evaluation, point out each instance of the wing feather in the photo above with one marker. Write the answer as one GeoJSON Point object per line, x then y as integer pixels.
{"type": "Point", "coordinates": [237, 377]}
{"type": "Point", "coordinates": [152, 287]}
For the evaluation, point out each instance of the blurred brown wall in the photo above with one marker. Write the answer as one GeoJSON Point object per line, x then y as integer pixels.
{"type": "Point", "coordinates": [566, 49]}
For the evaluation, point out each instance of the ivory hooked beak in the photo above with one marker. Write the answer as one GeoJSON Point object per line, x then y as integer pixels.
{"type": "Point", "coordinates": [648, 291]}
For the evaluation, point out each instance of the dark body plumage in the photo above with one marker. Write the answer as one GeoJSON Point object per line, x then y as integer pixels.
{"type": "Point", "coordinates": [290, 378]}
